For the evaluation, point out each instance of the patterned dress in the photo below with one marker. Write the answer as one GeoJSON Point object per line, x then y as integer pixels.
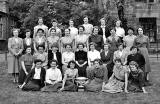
{"type": "Point", "coordinates": [14, 46]}
{"type": "Point", "coordinates": [114, 42]}
{"type": "Point", "coordinates": [129, 41]}
{"type": "Point", "coordinates": [116, 81]}
{"type": "Point", "coordinates": [52, 40]}
{"type": "Point", "coordinates": [70, 84]}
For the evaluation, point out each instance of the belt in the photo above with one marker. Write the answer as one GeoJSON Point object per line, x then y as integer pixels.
{"type": "Point", "coordinates": [119, 79]}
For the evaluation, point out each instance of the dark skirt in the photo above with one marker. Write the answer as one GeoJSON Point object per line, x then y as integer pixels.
{"type": "Point", "coordinates": [33, 85]}
{"type": "Point", "coordinates": [52, 88]}
{"type": "Point", "coordinates": [94, 85]}
{"type": "Point", "coordinates": [110, 69]}
{"type": "Point", "coordinates": [22, 75]}
{"type": "Point", "coordinates": [70, 86]}
{"type": "Point", "coordinates": [82, 70]}
{"type": "Point", "coordinates": [134, 87]}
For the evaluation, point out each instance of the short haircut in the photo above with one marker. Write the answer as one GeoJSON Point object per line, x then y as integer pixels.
{"type": "Point", "coordinates": [53, 61]}
{"type": "Point", "coordinates": [80, 44]}
{"type": "Point", "coordinates": [27, 30]}
{"type": "Point", "coordinates": [54, 20]}
{"type": "Point", "coordinates": [85, 16]}
{"type": "Point", "coordinates": [52, 29]}
{"type": "Point", "coordinates": [139, 28]}
{"type": "Point", "coordinates": [92, 43]}
{"type": "Point", "coordinates": [130, 28]}
{"type": "Point", "coordinates": [41, 46]}
{"type": "Point", "coordinates": [134, 63]}
{"type": "Point", "coordinates": [112, 28]}
{"type": "Point", "coordinates": [67, 45]}
{"type": "Point", "coordinates": [40, 30]}
{"type": "Point", "coordinates": [98, 60]}
{"type": "Point", "coordinates": [95, 27]}
{"type": "Point", "coordinates": [81, 26]}
{"type": "Point", "coordinates": [16, 29]}
{"type": "Point", "coordinates": [133, 47]}
{"type": "Point", "coordinates": [109, 45]}
{"type": "Point", "coordinates": [118, 60]}
{"type": "Point", "coordinates": [37, 60]}
{"type": "Point", "coordinates": [54, 45]}
{"type": "Point", "coordinates": [72, 61]}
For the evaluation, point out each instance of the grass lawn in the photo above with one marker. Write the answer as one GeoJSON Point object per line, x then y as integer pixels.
{"type": "Point", "coordinates": [9, 94]}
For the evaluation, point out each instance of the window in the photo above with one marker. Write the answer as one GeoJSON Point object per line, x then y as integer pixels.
{"type": "Point", "coordinates": [1, 28]}
{"type": "Point", "coordinates": [141, 1]}
{"type": "Point", "coordinates": [151, 1]}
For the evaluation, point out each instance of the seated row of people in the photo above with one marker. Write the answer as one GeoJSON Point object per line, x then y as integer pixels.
{"type": "Point", "coordinates": [124, 78]}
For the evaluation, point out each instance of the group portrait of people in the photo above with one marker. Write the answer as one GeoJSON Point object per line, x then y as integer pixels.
{"type": "Point", "coordinates": [110, 60]}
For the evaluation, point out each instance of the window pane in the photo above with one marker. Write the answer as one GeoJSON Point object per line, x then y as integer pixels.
{"type": "Point", "coordinates": [141, 1]}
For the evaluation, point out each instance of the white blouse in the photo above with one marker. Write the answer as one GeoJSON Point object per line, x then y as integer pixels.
{"type": "Point", "coordinates": [53, 75]}
{"type": "Point", "coordinates": [120, 32]}
{"type": "Point", "coordinates": [73, 32]}
{"type": "Point", "coordinates": [92, 55]}
{"type": "Point", "coordinates": [67, 56]}
{"type": "Point", "coordinates": [88, 28]}
{"type": "Point", "coordinates": [37, 73]}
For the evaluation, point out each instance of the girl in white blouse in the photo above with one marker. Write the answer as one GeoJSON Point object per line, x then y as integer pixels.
{"type": "Point", "coordinates": [93, 54]}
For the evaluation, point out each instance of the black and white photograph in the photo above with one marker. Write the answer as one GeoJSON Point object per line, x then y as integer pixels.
{"type": "Point", "coordinates": [79, 51]}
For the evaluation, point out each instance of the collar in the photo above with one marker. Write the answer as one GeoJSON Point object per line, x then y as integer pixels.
{"type": "Point", "coordinates": [103, 26]}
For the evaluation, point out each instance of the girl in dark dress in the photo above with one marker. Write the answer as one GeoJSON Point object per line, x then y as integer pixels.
{"type": "Point", "coordinates": [35, 79]}
{"type": "Point", "coordinates": [96, 38]}
{"type": "Point", "coordinates": [81, 60]}
{"type": "Point", "coordinates": [136, 78]}
{"type": "Point", "coordinates": [97, 78]}
{"type": "Point", "coordinates": [107, 59]}
{"type": "Point", "coordinates": [27, 63]}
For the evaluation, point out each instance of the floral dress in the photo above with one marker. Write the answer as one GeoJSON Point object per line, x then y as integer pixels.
{"type": "Point", "coordinates": [116, 81]}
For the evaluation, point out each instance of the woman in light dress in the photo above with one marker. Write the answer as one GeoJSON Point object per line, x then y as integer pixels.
{"type": "Point", "coordinates": [81, 38]}
{"type": "Point", "coordinates": [118, 80]}
{"type": "Point", "coordinates": [53, 39]}
{"type": "Point", "coordinates": [40, 39]}
{"type": "Point", "coordinates": [15, 47]}
{"type": "Point", "coordinates": [67, 56]}
{"type": "Point", "coordinates": [129, 39]}
{"type": "Point", "coordinates": [142, 42]}
{"type": "Point", "coordinates": [66, 40]}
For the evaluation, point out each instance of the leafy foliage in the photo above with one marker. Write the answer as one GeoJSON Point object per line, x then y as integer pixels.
{"type": "Point", "coordinates": [28, 12]}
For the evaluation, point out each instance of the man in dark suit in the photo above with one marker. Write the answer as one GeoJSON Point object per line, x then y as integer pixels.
{"type": "Point", "coordinates": [103, 30]}
{"type": "Point", "coordinates": [35, 79]}
{"type": "Point", "coordinates": [54, 54]}
{"type": "Point", "coordinates": [107, 59]}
